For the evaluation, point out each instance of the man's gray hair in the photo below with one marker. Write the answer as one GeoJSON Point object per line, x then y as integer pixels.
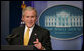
{"type": "Point", "coordinates": [28, 8]}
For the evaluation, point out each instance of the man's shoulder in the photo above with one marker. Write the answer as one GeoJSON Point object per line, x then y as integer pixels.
{"type": "Point", "coordinates": [42, 28]}
{"type": "Point", "coordinates": [18, 28]}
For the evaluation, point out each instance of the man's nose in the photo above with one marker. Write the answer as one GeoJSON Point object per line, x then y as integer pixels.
{"type": "Point", "coordinates": [30, 18]}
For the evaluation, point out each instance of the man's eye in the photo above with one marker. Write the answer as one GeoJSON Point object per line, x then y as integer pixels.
{"type": "Point", "coordinates": [32, 16]}
{"type": "Point", "coordinates": [27, 16]}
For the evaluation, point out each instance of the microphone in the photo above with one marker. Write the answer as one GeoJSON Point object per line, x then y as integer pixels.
{"type": "Point", "coordinates": [10, 37]}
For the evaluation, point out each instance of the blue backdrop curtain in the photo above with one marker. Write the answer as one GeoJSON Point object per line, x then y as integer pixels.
{"type": "Point", "coordinates": [29, 3]}
{"type": "Point", "coordinates": [15, 14]}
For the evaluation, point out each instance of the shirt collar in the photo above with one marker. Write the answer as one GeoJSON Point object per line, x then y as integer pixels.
{"type": "Point", "coordinates": [29, 28]}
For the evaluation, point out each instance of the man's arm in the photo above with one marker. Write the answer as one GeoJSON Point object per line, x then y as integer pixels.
{"type": "Point", "coordinates": [47, 41]}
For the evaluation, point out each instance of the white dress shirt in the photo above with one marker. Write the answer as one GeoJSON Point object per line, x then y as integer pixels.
{"type": "Point", "coordinates": [30, 30]}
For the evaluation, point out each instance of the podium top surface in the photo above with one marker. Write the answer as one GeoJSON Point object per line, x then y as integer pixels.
{"type": "Point", "coordinates": [16, 47]}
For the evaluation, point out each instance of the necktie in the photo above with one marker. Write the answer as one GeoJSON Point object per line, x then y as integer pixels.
{"type": "Point", "coordinates": [26, 37]}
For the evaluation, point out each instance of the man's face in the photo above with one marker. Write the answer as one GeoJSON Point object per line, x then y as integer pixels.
{"type": "Point", "coordinates": [29, 18]}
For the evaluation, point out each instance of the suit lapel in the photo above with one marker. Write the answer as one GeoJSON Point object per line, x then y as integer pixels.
{"type": "Point", "coordinates": [33, 38]}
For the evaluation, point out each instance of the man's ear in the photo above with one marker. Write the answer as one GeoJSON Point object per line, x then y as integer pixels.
{"type": "Point", "coordinates": [37, 19]}
{"type": "Point", "coordinates": [22, 18]}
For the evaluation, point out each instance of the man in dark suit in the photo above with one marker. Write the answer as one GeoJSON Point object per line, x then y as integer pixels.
{"type": "Point", "coordinates": [37, 36]}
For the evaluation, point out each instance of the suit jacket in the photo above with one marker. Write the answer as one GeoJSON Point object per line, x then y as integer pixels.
{"type": "Point", "coordinates": [16, 38]}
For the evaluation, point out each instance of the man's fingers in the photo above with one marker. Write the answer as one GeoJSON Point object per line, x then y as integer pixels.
{"type": "Point", "coordinates": [38, 45]}
{"type": "Point", "coordinates": [35, 45]}
{"type": "Point", "coordinates": [37, 41]}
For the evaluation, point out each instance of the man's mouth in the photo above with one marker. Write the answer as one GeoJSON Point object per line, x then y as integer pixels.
{"type": "Point", "coordinates": [30, 22]}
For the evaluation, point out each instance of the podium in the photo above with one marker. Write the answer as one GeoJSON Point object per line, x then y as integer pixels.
{"type": "Point", "coordinates": [16, 47]}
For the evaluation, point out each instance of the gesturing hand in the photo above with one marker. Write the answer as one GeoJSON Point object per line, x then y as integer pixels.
{"type": "Point", "coordinates": [37, 44]}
